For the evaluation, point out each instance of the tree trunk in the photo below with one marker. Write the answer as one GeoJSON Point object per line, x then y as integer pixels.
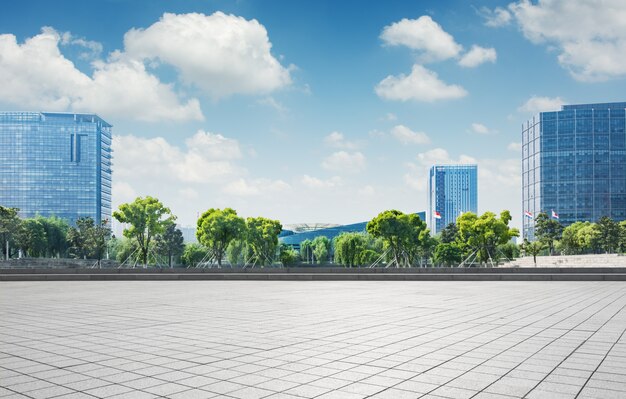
{"type": "Point", "coordinates": [7, 247]}
{"type": "Point", "coordinates": [170, 260]}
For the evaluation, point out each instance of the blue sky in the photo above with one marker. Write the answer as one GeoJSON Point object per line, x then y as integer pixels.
{"type": "Point", "coordinates": [310, 111]}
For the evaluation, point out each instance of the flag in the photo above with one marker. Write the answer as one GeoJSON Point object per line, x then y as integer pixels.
{"type": "Point", "coordinates": [528, 214]}
{"type": "Point", "coordinates": [437, 215]}
{"type": "Point", "coordinates": [555, 215]}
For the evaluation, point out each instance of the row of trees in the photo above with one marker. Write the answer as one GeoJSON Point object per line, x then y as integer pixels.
{"type": "Point", "coordinates": [392, 238]}
{"type": "Point", "coordinates": [605, 236]}
{"type": "Point", "coordinates": [402, 240]}
{"type": "Point", "coordinates": [222, 235]}
{"type": "Point", "coordinates": [51, 236]}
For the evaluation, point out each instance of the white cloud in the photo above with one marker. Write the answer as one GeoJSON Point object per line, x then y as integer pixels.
{"type": "Point", "coordinates": [255, 187]}
{"type": "Point", "coordinates": [213, 146]}
{"type": "Point", "coordinates": [406, 136]}
{"type": "Point", "coordinates": [345, 162]}
{"type": "Point", "coordinates": [36, 75]}
{"type": "Point", "coordinates": [481, 129]}
{"type": "Point", "coordinates": [590, 35]}
{"type": "Point", "coordinates": [478, 55]}
{"type": "Point", "coordinates": [338, 140]}
{"type": "Point", "coordinates": [537, 104]}
{"type": "Point", "coordinates": [314, 182]}
{"type": "Point", "coordinates": [207, 158]}
{"type": "Point", "coordinates": [125, 89]}
{"type": "Point", "coordinates": [424, 35]}
{"type": "Point", "coordinates": [222, 54]}
{"type": "Point", "coordinates": [495, 18]}
{"type": "Point", "coordinates": [273, 103]}
{"type": "Point", "coordinates": [367, 191]}
{"type": "Point", "coordinates": [189, 193]}
{"type": "Point", "coordinates": [390, 117]}
{"type": "Point", "coordinates": [93, 48]}
{"type": "Point", "coordinates": [123, 192]}
{"type": "Point", "coordinates": [515, 146]}
{"type": "Point", "coordinates": [421, 85]}
{"type": "Point", "coordinates": [204, 172]}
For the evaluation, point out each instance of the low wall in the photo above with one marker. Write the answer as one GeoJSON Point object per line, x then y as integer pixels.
{"type": "Point", "coordinates": [54, 263]}
{"type": "Point", "coordinates": [304, 274]}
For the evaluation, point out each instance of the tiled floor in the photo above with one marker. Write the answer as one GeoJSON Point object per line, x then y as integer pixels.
{"type": "Point", "coordinates": [346, 340]}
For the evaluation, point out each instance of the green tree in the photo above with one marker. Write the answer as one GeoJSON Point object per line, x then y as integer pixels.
{"type": "Point", "coordinates": [287, 255]}
{"type": "Point", "coordinates": [237, 252]}
{"type": "Point", "coordinates": [569, 243]}
{"type": "Point", "coordinates": [96, 241]}
{"type": "Point", "coordinates": [608, 234]}
{"type": "Point", "coordinates": [127, 250]}
{"type": "Point", "coordinates": [56, 235]}
{"type": "Point", "coordinates": [262, 238]}
{"type": "Point", "coordinates": [89, 240]}
{"type": "Point", "coordinates": [405, 235]}
{"type": "Point", "coordinates": [419, 244]}
{"type": "Point", "coordinates": [170, 243]}
{"type": "Point", "coordinates": [622, 226]}
{"type": "Point", "coordinates": [348, 248]}
{"type": "Point", "coordinates": [368, 257]}
{"type": "Point", "coordinates": [147, 218]}
{"type": "Point", "coordinates": [509, 250]}
{"type": "Point", "coordinates": [482, 235]}
{"type": "Point", "coordinates": [193, 254]}
{"type": "Point", "coordinates": [449, 233]}
{"type": "Point", "coordinates": [448, 254]}
{"type": "Point", "coordinates": [31, 238]}
{"type": "Point", "coordinates": [9, 227]}
{"type": "Point", "coordinates": [321, 248]}
{"type": "Point", "coordinates": [548, 230]}
{"type": "Point", "coordinates": [533, 248]}
{"type": "Point", "coordinates": [588, 237]}
{"type": "Point", "coordinates": [113, 247]}
{"type": "Point", "coordinates": [306, 251]}
{"type": "Point", "coordinates": [217, 228]}
{"type": "Point", "coordinates": [77, 237]}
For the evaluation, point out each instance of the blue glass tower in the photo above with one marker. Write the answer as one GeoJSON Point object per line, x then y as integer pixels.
{"type": "Point", "coordinates": [452, 190]}
{"type": "Point", "coordinates": [574, 163]}
{"type": "Point", "coordinates": [56, 164]}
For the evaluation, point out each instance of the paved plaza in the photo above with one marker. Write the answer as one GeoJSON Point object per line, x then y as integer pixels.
{"type": "Point", "coordinates": [346, 340]}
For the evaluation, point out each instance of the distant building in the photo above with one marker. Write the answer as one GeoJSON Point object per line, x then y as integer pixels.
{"type": "Point", "coordinates": [452, 190]}
{"type": "Point", "coordinates": [574, 164]}
{"type": "Point", "coordinates": [189, 233]}
{"type": "Point", "coordinates": [56, 164]}
{"type": "Point", "coordinates": [298, 233]}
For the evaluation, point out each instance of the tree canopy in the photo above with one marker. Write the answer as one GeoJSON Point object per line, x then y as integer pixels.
{"type": "Point", "coordinates": [170, 243]}
{"type": "Point", "coordinates": [405, 235]}
{"type": "Point", "coordinates": [9, 226]}
{"type": "Point", "coordinates": [608, 234]}
{"type": "Point", "coordinates": [548, 230]}
{"type": "Point", "coordinates": [262, 238]}
{"type": "Point", "coordinates": [481, 235]}
{"type": "Point", "coordinates": [147, 218]}
{"type": "Point", "coordinates": [216, 228]}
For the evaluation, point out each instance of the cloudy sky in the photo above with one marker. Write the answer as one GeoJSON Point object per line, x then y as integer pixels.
{"type": "Point", "coordinates": [310, 111]}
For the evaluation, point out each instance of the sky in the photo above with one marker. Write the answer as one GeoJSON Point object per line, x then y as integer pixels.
{"type": "Point", "coordinates": [311, 111]}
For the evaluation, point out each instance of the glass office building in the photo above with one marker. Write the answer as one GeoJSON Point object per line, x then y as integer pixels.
{"type": "Point", "coordinates": [574, 163]}
{"type": "Point", "coordinates": [55, 164]}
{"type": "Point", "coordinates": [452, 190]}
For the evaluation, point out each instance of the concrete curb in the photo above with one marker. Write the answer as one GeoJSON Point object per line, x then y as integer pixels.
{"type": "Point", "coordinates": [592, 275]}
